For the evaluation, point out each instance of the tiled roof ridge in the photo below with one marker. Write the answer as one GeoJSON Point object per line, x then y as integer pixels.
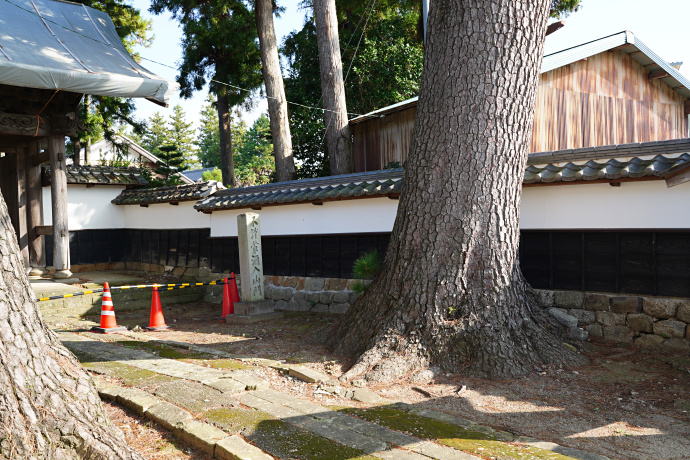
{"type": "Point", "coordinates": [602, 152]}
{"type": "Point", "coordinates": [659, 166]}
{"type": "Point", "coordinates": [169, 193]}
{"type": "Point", "coordinates": [100, 175]}
{"type": "Point", "coordinates": [301, 184]}
{"type": "Point", "coordinates": [389, 182]}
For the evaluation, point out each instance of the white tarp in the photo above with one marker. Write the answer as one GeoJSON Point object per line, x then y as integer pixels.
{"type": "Point", "coordinates": [51, 44]}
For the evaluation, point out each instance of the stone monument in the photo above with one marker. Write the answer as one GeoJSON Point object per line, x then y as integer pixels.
{"type": "Point", "coordinates": [253, 306]}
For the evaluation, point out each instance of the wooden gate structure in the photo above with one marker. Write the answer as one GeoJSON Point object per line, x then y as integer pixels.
{"type": "Point", "coordinates": [51, 55]}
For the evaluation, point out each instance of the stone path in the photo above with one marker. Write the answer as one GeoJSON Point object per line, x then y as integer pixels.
{"type": "Point", "coordinates": [367, 437]}
{"type": "Point", "coordinates": [180, 402]}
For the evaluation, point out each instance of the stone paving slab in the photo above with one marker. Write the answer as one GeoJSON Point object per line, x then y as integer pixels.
{"type": "Point", "coordinates": [307, 374]}
{"type": "Point", "coordinates": [286, 413]}
{"type": "Point", "coordinates": [207, 437]}
{"type": "Point", "coordinates": [339, 427]}
{"type": "Point", "coordinates": [398, 454]}
{"type": "Point", "coordinates": [151, 362]}
{"type": "Point", "coordinates": [236, 448]}
{"type": "Point", "coordinates": [167, 414]}
{"type": "Point", "coordinates": [200, 434]}
{"type": "Point", "coordinates": [433, 450]}
{"type": "Point", "coordinates": [337, 433]}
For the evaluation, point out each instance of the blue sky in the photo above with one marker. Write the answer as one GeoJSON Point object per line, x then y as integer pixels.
{"type": "Point", "coordinates": [661, 24]}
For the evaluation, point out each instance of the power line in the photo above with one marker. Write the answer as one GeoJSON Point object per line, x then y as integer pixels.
{"type": "Point", "coordinates": [165, 65]}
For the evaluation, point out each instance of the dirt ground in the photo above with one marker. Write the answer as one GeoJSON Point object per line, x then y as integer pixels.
{"type": "Point", "coordinates": [625, 404]}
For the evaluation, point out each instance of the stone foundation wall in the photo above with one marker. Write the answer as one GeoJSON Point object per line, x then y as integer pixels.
{"type": "Point", "coordinates": [294, 293]}
{"type": "Point", "coordinates": [648, 322]}
{"type": "Point", "coordinates": [193, 272]}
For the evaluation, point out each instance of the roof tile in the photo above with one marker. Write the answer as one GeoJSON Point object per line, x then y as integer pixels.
{"type": "Point", "coordinates": [171, 194]}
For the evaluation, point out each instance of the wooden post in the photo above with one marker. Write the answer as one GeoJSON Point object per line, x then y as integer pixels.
{"type": "Point", "coordinates": [58, 195]}
{"type": "Point", "coordinates": [22, 231]}
{"type": "Point", "coordinates": [34, 211]}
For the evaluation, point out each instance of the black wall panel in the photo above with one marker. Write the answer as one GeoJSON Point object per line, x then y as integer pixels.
{"type": "Point", "coordinates": [630, 262]}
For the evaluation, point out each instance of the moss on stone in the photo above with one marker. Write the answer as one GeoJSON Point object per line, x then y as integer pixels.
{"type": "Point", "coordinates": [471, 441]}
{"type": "Point", "coordinates": [130, 375]}
{"type": "Point", "coordinates": [164, 351]}
{"type": "Point", "coordinates": [279, 438]}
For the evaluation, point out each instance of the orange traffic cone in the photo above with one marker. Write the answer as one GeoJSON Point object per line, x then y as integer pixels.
{"type": "Point", "coordinates": [234, 294]}
{"type": "Point", "coordinates": [157, 322]}
{"type": "Point", "coordinates": [228, 303]}
{"type": "Point", "coordinates": [108, 323]}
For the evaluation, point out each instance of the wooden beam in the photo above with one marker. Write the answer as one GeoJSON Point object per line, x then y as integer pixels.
{"type": "Point", "coordinates": [44, 230]}
{"type": "Point", "coordinates": [40, 157]}
{"type": "Point", "coordinates": [593, 181]}
{"type": "Point", "coordinates": [657, 75]}
{"type": "Point", "coordinates": [687, 107]}
{"type": "Point", "coordinates": [58, 194]}
{"type": "Point", "coordinates": [23, 125]}
{"type": "Point", "coordinates": [678, 178]}
{"type": "Point", "coordinates": [34, 211]}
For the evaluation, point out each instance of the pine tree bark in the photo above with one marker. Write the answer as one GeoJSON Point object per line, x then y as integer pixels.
{"type": "Point", "coordinates": [451, 293]}
{"type": "Point", "coordinates": [227, 167]}
{"type": "Point", "coordinates": [275, 91]}
{"type": "Point", "coordinates": [87, 143]}
{"type": "Point", "coordinates": [76, 148]}
{"type": "Point", "coordinates": [49, 407]}
{"type": "Point", "coordinates": [338, 138]}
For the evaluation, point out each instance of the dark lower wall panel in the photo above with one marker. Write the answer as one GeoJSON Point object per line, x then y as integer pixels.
{"type": "Point", "coordinates": [630, 262]}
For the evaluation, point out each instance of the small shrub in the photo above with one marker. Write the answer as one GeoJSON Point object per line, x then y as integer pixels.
{"type": "Point", "coordinates": [366, 267]}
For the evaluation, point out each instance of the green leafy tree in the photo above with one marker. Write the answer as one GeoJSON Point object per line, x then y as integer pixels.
{"type": "Point", "coordinates": [254, 161]}
{"type": "Point", "coordinates": [220, 43]}
{"type": "Point", "coordinates": [102, 115]}
{"type": "Point", "coordinates": [181, 134]}
{"type": "Point", "coordinates": [385, 68]}
{"type": "Point", "coordinates": [155, 134]}
{"type": "Point", "coordinates": [208, 136]}
{"type": "Point", "coordinates": [214, 174]}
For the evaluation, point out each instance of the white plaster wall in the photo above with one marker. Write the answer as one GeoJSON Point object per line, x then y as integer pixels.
{"type": "Point", "coordinates": [642, 205]}
{"type": "Point", "coordinates": [88, 208]}
{"type": "Point", "coordinates": [368, 215]}
{"type": "Point", "coordinates": [165, 216]}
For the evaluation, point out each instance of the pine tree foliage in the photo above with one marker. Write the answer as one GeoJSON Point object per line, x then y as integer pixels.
{"type": "Point", "coordinates": [155, 134]}
{"type": "Point", "coordinates": [166, 172]}
{"type": "Point", "coordinates": [181, 134]}
{"type": "Point", "coordinates": [254, 161]}
{"type": "Point", "coordinates": [219, 43]}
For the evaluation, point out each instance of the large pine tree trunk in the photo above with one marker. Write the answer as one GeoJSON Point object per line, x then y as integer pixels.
{"type": "Point", "coordinates": [277, 104]}
{"type": "Point", "coordinates": [227, 167]}
{"type": "Point", "coordinates": [338, 138]}
{"type": "Point", "coordinates": [451, 293]}
{"type": "Point", "coordinates": [49, 407]}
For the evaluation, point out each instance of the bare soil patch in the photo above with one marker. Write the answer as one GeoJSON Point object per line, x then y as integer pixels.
{"type": "Point", "coordinates": [149, 439]}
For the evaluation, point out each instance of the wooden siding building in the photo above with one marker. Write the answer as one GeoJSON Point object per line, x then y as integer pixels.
{"type": "Point", "coordinates": [609, 91]}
